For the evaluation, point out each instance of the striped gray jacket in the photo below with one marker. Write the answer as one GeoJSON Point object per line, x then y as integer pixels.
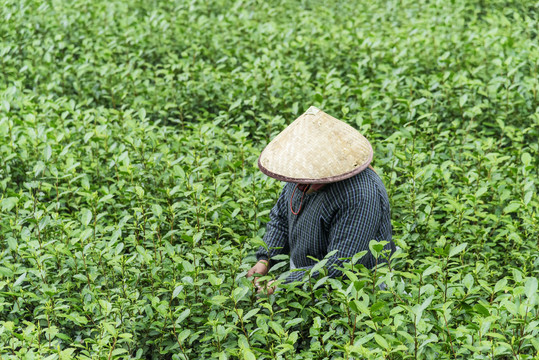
{"type": "Point", "coordinates": [342, 216]}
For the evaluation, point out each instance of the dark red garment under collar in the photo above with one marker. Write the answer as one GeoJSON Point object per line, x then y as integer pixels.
{"type": "Point", "coordinates": [307, 187]}
{"type": "Point", "coordinates": [303, 188]}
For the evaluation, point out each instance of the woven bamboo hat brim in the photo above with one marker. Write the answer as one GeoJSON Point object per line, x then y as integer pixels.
{"type": "Point", "coordinates": [316, 149]}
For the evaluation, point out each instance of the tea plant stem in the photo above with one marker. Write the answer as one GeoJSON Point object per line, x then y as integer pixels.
{"type": "Point", "coordinates": [57, 196]}
{"type": "Point", "coordinates": [446, 276]}
{"type": "Point", "coordinates": [412, 170]}
{"type": "Point", "coordinates": [112, 348]}
{"type": "Point", "coordinates": [41, 270]}
{"type": "Point", "coordinates": [522, 326]}
{"type": "Point", "coordinates": [163, 332]}
{"type": "Point", "coordinates": [534, 90]}
{"type": "Point", "coordinates": [10, 127]}
{"type": "Point", "coordinates": [432, 203]}
{"type": "Point", "coordinates": [123, 276]}
{"type": "Point", "coordinates": [12, 347]}
{"type": "Point", "coordinates": [171, 222]}
{"type": "Point", "coordinates": [353, 330]}
{"type": "Point", "coordinates": [84, 262]}
{"type": "Point", "coordinates": [415, 337]}
{"type": "Point", "coordinates": [95, 158]}
{"type": "Point", "coordinates": [39, 237]}
{"type": "Point", "coordinates": [197, 210]}
{"type": "Point", "coordinates": [95, 221]}
{"type": "Point", "coordinates": [242, 324]}
{"type": "Point", "coordinates": [49, 326]}
{"type": "Point", "coordinates": [312, 290]}
{"type": "Point", "coordinates": [449, 335]}
{"type": "Point", "coordinates": [5, 77]}
{"type": "Point", "coordinates": [181, 120]}
{"type": "Point", "coordinates": [155, 246]}
{"type": "Point", "coordinates": [374, 278]}
{"type": "Point", "coordinates": [419, 288]}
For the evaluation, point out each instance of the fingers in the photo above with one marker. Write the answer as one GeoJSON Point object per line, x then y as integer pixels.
{"type": "Point", "coordinates": [259, 287]}
{"type": "Point", "coordinates": [261, 269]}
{"type": "Point", "coordinates": [271, 288]}
{"type": "Point", "coordinates": [250, 273]}
{"type": "Point", "coordinates": [253, 270]}
{"type": "Point", "coordinates": [268, 289]}
{"type": "Point", "coordinates": [257, 270]}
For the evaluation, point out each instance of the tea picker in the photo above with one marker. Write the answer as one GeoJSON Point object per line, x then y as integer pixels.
{"type": "Point", "coordinates": [332, 200]}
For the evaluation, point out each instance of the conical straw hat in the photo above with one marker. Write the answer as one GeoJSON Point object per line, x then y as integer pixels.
{"type": "Point", "coordinates": [316, 149]}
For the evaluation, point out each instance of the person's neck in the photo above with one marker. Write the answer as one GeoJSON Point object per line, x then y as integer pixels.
{"type": "Point", "coordinates": [311, 187]}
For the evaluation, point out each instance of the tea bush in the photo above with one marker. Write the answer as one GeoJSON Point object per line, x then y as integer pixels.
{"type": "Point", "coordinates": [131, 205]}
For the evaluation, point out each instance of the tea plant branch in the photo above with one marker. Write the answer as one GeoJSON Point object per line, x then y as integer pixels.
{"type": "Point", "coordinates": [241, 320]}
{"type": "Point", "coordinates": [415, 336]}
{"type": "Point", "coordinates": [112, 347]}
{"type": "Point", "coordinates": [374, 277]}
{"type": "Point", "coordinates": [178, 340]}
{"type": "Point", "coordinates": [449, 334]}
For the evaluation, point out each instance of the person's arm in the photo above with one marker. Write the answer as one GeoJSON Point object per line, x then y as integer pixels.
{"type": "Point", "coordinates": [352, 228]}
{"type": "Point", "coordinates": [276, 239]}
{"type": "Point", "coordinates": [276, 236]}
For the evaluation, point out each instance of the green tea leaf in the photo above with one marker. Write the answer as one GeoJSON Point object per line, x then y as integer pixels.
{"type": "Point", "coordinates": [184, 335]}
{"type": "Point", "coordinates": [250, 314]}
{"type": "Point", "coordinates": [526, 159]}
{"type": "Point", "coordinates": [47, 152]}
{"type": "Point", "coordinates": [248, 354]}
{"type": "Point", "coordinates": [183, 316]}
{"type": "Point", "coordinates": [86, 217]}
{"type": "Point", "coordinates": [9, 203]}
{"type": "Point", "coordinates": [157, 210]}
{"type": "Point", "coordinates": [218, 299]}
{"type": "Point", "coordinates": [20, 279]}
{"type": "Point", "coordinates": [110, 328]}
{"type": "Point", "coordinates": [381, 341]}
{"type": "Point", "coordinates": [177, 291]}
{"type": "Point", "coordinates": [512, 207]}
{"type": "Point", "coordinates": [481, 310]}
{"type": "Point", "coordinates": [500, 285]}
{"type": "Point", "coordinates": [530, 287]}
{"type": "Point", "coordinates": [463, 99]}
{"type": "Point", "coordinates": [293, 322]}
{"type": "Point", "coordinates": [468, 281]}
{"type": "Point", "coordinates": [457, 249]}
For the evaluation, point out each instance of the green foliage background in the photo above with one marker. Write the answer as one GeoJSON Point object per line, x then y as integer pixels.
{"type": "Point", "coordinates": [130, 201]}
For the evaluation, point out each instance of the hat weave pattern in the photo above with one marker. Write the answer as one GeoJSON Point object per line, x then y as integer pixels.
{"type": "Point", "coordinates": [316, 148]}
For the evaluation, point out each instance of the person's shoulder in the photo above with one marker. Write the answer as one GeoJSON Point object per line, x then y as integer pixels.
{"type": "Point", "coordinates": [366, 176]}
{"type": "Point", "coordinates": [365, 181]}
{"type": "Point", "coordinates": [363, 185]}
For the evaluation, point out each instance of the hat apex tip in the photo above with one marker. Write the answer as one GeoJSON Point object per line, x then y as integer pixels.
{"type": "Point", "coordinates": [313, 110]}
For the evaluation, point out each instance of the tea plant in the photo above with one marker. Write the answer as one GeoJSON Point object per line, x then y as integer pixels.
{"type": "Point", "coordinates": [131, 204]}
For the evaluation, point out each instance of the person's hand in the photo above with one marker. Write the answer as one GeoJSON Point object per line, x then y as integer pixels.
{"type": "Point", "coordinates": [261, 267]}
{"type": "Point", "coordinates": [269, 288]}
{"type": "Point", "coordinates": [266, 289]}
